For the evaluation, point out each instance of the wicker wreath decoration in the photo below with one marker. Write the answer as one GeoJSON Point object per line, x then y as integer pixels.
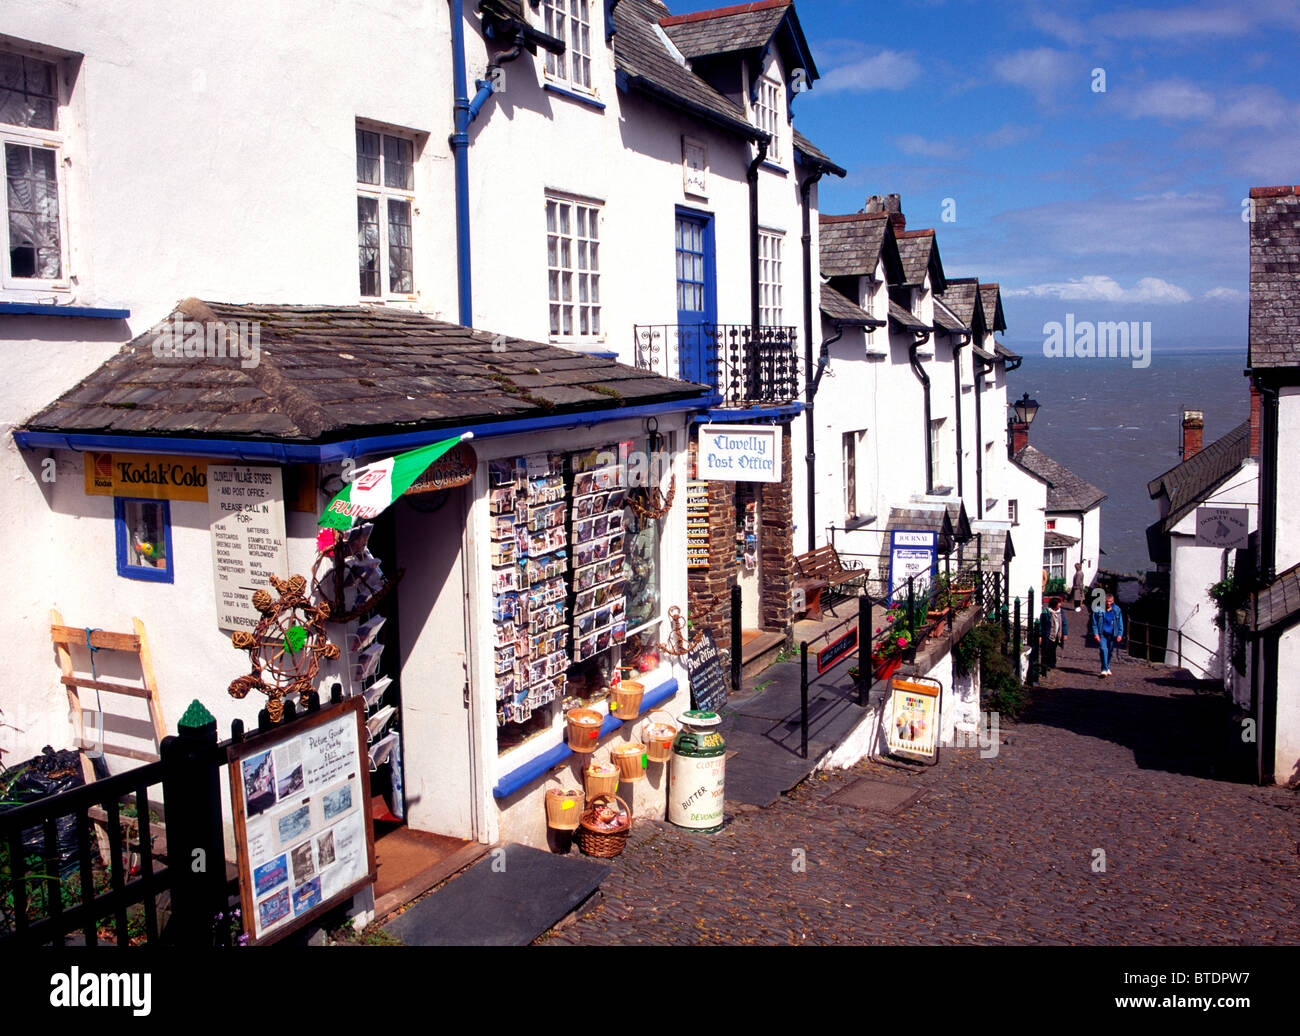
{"type": "Point", "coordinates": [331, 576]}
{"type": "Point", "coordinates": [285, 647]}
{"type": "Point", "coordinates": [648, 503]}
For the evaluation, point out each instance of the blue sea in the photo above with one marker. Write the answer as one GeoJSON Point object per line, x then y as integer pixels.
{"type": "Point", "coordinates": [1119, 427]}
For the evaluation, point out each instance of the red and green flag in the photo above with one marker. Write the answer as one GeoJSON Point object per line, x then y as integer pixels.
{"type": "Point", "coordinates": [374, 487]}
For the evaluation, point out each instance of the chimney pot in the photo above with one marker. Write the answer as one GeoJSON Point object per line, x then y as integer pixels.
{"type": "Point", "coordinates": [1193, 433]}
{"type": "Point", "coordinates": [1019, 436]}
{"type": "Point", "coordinates": [875, 203]}
{"type": "Point", "coordinates": [893, 203]}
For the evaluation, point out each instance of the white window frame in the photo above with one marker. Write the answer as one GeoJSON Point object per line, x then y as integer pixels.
{"type": "Point", "coordinates": [49, 140]}
{"type": "Point", "coordinates": [936, 437]}
{"type": "Point", "coordinates": [572, 272]}
{"type": "Point", "coordinates": [1013, 511]}
{"type": "Point", "coordinates": [383, 194]}
{"type": "Point", "coordinates": [572, 22]}
{"type": "Point", "coordinates": [770, 286]}
{"type": "Point", "coordinates": [851, 444]}
{"type": "Point", "coordinates": [1047, 561]}
{"type": "Point", "coordinates": [768, 107]}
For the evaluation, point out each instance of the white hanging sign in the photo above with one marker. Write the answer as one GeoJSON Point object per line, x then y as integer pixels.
{"type": "Point", "coordinates": [740, 453]}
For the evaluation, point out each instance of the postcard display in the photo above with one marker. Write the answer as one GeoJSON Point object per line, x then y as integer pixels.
{"type": "Point", "coordinates": [363, 650]}
{"type": "Point", "coordinates": [302, 831]}
{"type": "Point", "coordinates": [557, 573]}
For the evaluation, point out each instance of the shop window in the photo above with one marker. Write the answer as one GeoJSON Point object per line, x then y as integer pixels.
{"type": "Point", "coordinates": [34, 193]}
{"type": "Point", "coordinates": [144, 539]}
{"type": "Point", "coordinates": [385, 203]}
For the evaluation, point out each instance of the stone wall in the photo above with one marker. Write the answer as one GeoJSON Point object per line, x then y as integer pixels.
{"type": "Point", "coordinates": [776, 560]}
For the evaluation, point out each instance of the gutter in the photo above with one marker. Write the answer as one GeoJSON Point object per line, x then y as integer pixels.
{"type": "Point", "coordinates": [811, 383]}
{"type": "Point", "coordinates": [921, 338]}
{"type": "Point", "coordinates": [980, 367]}
{"type": "Point", "coordinates": [958, 342]}
{"type": "Point", "coordinates": [324, 453]}
{"type": "Point", "coordinates": [751, 174]}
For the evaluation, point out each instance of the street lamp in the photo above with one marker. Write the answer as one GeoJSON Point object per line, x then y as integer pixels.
{"type": "Point", "coordinates": [1024, 410]}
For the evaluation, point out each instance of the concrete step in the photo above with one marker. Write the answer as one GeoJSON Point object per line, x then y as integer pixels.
{"type": "Point", "coordinates": [759, 653]}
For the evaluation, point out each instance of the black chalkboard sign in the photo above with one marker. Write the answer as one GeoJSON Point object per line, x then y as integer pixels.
{"type": "Point", "coordinates": [708, 686]}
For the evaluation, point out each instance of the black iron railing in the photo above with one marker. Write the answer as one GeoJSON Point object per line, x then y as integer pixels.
{"type": "Point", "coordinates": [743, 364]}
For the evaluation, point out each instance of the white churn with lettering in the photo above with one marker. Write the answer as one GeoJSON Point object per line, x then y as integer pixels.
{"type": "Point", "coordinates": [696, 774]}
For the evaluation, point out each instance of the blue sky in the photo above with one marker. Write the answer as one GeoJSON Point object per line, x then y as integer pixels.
{"type": "Point", "coordinates": [1117, 205]}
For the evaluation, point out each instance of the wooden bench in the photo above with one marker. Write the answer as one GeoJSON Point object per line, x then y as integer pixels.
{"type": "Point", "coordinates": [822, 569]}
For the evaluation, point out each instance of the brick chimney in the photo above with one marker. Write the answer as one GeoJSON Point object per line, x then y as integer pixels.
{"type": "Point", "coordinates": [1019, 436]}
{"type": "Point", "coordinates": [1256, 414]}
{"type": "Point", "coordinates": [1193, 433]}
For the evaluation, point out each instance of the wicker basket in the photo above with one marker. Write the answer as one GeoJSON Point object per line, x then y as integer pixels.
{"type": "Point", "coordinates": [658, 749]}
{"type": "Point", "coordinates": [598, 786]}
{"type": "Point", "coordinates": [629, 759]}
{"type": "Point", "coordinates": [564, 808]}
{"type": "Point", "coordinates": [625, 702]}
{"type": "Point", "coordinates": [595, 842]}
{"type": "Point", "coordinates": [583, 737]}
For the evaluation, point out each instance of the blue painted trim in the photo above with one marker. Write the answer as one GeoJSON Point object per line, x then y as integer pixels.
{"type": "Point", "coordinates": [603, 356]}
{"type": "Point", "coordinates": [538, 767]}
{"type": "Point", "coordinates": [120, 532]}
{"type": "Point", "coordinates": [324, 453]}
{"type": "Point", "coordinates": [778, 414]}
{"type": "Point", "coordinates": [573, 95]}
{"type": "Point", "coordinates": [773, 167]}
{"type": "Point", "coordinates": [39, 309]}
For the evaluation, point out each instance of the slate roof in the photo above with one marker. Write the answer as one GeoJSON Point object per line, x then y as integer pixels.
{"type": "Point", "coordinates": [962, 297]}
{"type": "Point", "coordinates": [946, 318]}
{"type": "Point", "coordinates": [1052, 538]}
{"type": "Point", "coordinates": [838, 307]}
{"type": "Point", "coordinates": [1275, 277]}
{"type": "Point", "coordinates": [647, 66]}
{"type": "Point", "coordinates": [1066, 491]}
{"type": "Point", "coordinates": [852, 245]}
{"type": "Point", "coordinates": [991, 298]}
{"type": "Point", "coordinates": [731, 30]}
{"type": "Point", "coordinates": [1189, 483]}
{"type": "Point", "coordinates": [920, 254]}
{"type": "Point", "coordinates": [1002, 352]}
{"type": "Point", "coordinates": [1275, 605]}
{"type": "Point", "coordinates": [905, 320]}
{"type": "Point", "coordinates": [810, 150]}
{"type": "Point", "coordinates": [326, 373]}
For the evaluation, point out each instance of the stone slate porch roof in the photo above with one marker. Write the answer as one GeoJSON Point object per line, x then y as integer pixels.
{"type": "Point", "coordinates": [811, 151]}
{"type": "Point", "coordinates": [842, 310]}
{"type": "Point", "coordinates": [905, 319]}
{"type": "Point", "coordinates": [946, 319]}
{"type": "Point", "coordinates": [1052, 538]}
{"type": "Point", "coordinates": [330, 372]}
{"type": "Point", "coordinates": [1189, 483]}
{"type": "Point", "coordinates": [1066, 491]}
{"type": "Point", "coordinates": [1275, 277]}
{"type": "Point", "coordinates": [1277, 604]}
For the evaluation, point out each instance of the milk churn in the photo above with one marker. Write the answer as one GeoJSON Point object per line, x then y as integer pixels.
{"type": "Point", "coordinates": [695, 777]}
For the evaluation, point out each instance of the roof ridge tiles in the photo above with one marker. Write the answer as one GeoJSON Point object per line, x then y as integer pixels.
{"type": "Point", "coordinates": [723, 12]}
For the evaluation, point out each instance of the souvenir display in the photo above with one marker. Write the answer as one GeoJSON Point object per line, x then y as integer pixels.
{"type": "Point", "coordinates": [599, 488]}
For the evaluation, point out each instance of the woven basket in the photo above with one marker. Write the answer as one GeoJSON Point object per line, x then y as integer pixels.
{"type": "Point", "coordinates": [628, 758]}
{"type": "Point", "coordinates": [598, 786]}
{"type": "Point", "coordinates": [626, 701]}
{"type": "Point", "coordinates": [564, 808]}
{"type": "Point", "coordinates": [605, 844]}
{"type": "Point", "coordinates": [658, 750]}
{"type": "Point", "coordinates": [583, 737]}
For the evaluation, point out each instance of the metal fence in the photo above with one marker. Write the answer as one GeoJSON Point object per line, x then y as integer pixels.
{"type": "Point", "coordinates": [743, 364]}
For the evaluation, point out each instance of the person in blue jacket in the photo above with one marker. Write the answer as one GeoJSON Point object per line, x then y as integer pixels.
{"type": "Point", "coordinates": [1108, 628]}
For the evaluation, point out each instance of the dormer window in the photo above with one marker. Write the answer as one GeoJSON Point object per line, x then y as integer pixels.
{"type": "Point", "coordinates": [767, 114]}
{"type": "Point", "coordinates": [570, 21]}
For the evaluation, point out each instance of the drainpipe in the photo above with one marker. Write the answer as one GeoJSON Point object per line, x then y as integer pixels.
{"type": "Point", "coordinates": [752, 176]}
{"type": "Point", "coordinates": [958, 342]}
{"type": "Point", "coordinates": [460, 155]}
{"type": "Point", "coordinates": [980, 369]}
{"type": "Point", "coordinates": [805, 197]}
{"type": "Point", "coordinates": [921, 338]}
{"type": "Point", "coordinates": [1264, 674]}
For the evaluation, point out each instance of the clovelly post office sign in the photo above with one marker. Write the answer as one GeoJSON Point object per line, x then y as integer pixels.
{"type": "Point", "coordinates": [740, 453]}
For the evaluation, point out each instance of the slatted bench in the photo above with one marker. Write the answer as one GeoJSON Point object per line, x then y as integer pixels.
{"type": "Point", "coordinates": [822, 570]}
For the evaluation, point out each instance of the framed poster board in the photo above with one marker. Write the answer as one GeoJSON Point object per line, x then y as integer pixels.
{"type": "Point", "coordinates": [912, 552]}
{"type": "Point", "coordinates": [704, 667]}
{"type": "Point", "coordinates": [914, 717]}
{"type": "Point", "coordinates": [303, 836]}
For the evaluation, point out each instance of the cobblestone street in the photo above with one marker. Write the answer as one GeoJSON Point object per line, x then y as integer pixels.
{"type": "Point", "coordinates": [1000, 850]}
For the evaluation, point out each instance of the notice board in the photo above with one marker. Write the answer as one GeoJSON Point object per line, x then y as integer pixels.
{"type": "Point", "coordinates": [303, 836]}
{"type": "Point", "coordinates": [246, 519]}
{"type": "Point", "coordinates": [914, 717]}
{"type": "Point", "coordinates": [704, 667]}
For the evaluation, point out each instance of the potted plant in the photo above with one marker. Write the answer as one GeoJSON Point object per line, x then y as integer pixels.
{"type": "Point", "coordinates": [896, 640]}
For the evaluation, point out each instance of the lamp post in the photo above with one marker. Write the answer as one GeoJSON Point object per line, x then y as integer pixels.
{"type": "Point", "coordinates": [1024, 410]}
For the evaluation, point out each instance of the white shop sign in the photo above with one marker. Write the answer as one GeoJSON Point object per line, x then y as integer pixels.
{"type": "Point", "coordinates": [740, 453]}
{"type": "Point", "coordinates": [246, 519]}
{"type": "Point", "coordinates": [1224, 527]}
{"type": "Point", "coordinates": [911, 553]}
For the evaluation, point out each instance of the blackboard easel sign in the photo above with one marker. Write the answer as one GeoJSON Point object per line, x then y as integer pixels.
{"type": "Point", "coordinates": [708, 685]}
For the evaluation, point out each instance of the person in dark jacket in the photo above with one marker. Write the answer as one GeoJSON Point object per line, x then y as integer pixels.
{"type": "Point", "coordinates": [1079, 586]}
{"type": "Point", "coordinates": [1108, 628]}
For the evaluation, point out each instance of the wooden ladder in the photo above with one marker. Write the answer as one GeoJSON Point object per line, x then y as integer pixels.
{"type": "Point", "coordinates": [134, 643]}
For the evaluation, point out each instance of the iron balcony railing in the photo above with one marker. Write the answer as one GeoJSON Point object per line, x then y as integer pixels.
{"type": "Point", "coordinates": [742, 364]}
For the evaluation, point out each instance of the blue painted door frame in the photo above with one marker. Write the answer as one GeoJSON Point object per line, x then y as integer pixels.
{"type": "Point", "coordinates": [697, 293]}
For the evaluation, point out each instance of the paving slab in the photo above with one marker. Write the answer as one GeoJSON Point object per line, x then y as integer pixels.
{"type": "Point", "coordinates": [495, 905]}
{"type": "Point", "coordinates": [878, 796]}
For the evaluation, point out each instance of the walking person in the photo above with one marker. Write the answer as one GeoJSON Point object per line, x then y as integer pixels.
{"type": "Point", "coordinates": [1055, 630]}
{"type": "Point", "coordinates": [1077, 588]}
{"type": "Point", "coordinates": [1108, 628]}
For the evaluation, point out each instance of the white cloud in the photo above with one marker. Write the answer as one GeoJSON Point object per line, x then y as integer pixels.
{"type": "Point", "coordinates": [922, 147]}
{"type": "Point", "coordinates": [1170, 99]}
{"type": "Point", "coordinates": [1187, 23]}
{"type": "Point", "coordinates": [1099, 288]}
{"type": "Point", "coordinates": [1042, 71]}
{"type": "Point", "coordinates": [887, 70]}
{"type": "Point", "coordinates": [1225, 294]}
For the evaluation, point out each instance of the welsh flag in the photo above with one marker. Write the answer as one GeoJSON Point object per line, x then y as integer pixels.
{"type": "Point", "coordinates": [374, 487]}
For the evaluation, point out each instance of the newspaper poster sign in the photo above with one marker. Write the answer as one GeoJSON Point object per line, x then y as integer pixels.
{"type": "Point", "coordinates": [913, 728]}
{"type": "Point", "coordinates": [246, 519]}
{"type": "Point", "coordinates": [303, 835]}
{"type": "Point", "coordinates": [912, 552]}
